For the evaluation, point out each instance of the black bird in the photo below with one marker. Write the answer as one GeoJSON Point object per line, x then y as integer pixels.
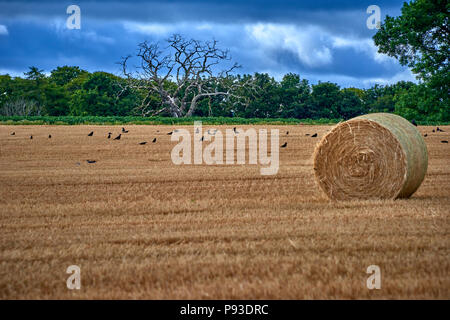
{"type": "Point", "coordinates": [13, 134]}
{"type": "Point", "coordinates": [414, 122]}
{"type": "Point", "coordinates": [91, 134]}
{"type": "Point", "coordinates": [444, 141]}
{"type": "Point", "coordinates": [287, 132]}
{"type": "Point", "coordinates": [118, 137]}
{"type": "Point", "coordinates": [170, 133]}
{"type": "Point", "coordinates": [425, 135]}
{"type": "Point", "coordinates": [284, 145]}
{"type": "Point", "coordinates": [203, 138]}
{"type": "Point", "coordinates": [439, 129]}
{"type": "Point", "coordinates": [124, 131]}
{"type": "Point", "coordinates": [142, 143]}
{"type": "Point", "coordinates": [433, 130]}
{"type": "Point", "coordinates": [109, 135]}
{"type": "Point", "coordinates": [31, 137]}
{"type": "Point", "coordinates": [234, 129]}
{"type": "Point", "coordinates": [91, 161]}
{"type": "Point", "coordinates": [49, 136]}
{"type": "Point", "coordinates": [314, 135]}
{"type": "Point", "coordinates": [154, 140]}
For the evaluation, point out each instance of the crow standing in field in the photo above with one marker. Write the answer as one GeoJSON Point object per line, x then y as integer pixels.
{"type": "Point", "coordinates": [414, 122]}
{"type": "Point", "coordinates": [170, 133]}
{"type": "Point", "coordinates": [439, 129]}
{"type": "Point", "coordinates": [203, 138]}
{"type": "Point", "coordinates": [109, 135]}
{"type": "Point", "coordinates": [118, 137]}
{"type": "Point", "coordinates": [425, 135]}
{"type": "Point", "coordinates": [142, 143]}
{"type": "Point", "coordinates": [31, 137]}
{"type": "Point", "coordinates": [49, 136]}
{"type": "Point", "coordinates": [124, 131]}
{"type": "Point", "coordinates": [91, 134]}
{"type": "Point", "coordinates": [154, 140]}
{"type": "Point", "coordinates": [91, 161]}
{"type": "Point", "coordinates": [444, 141]}
{"type": "Point", "coordinates": [433, 130]}
{"type": "Point", "coordinates": [284, 145]}
{"type": "Point", "coordinates": [314, 135]}
{"type": "Point", "coordinates": [287, 132]}
{"type": "Point", "coordinates": [13, 133]}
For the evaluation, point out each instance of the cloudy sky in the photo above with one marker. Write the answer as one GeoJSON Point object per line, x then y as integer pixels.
{"type": "Point", "coordinates": [325, 40]}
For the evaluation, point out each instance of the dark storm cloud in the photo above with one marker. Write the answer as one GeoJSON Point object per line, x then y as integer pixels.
{"type": "Point", "coordinates": [341, 16]}
{"type": "Point", "coordinates": [325, 40]}
{"type": "Point", "coordinates": [168, 10]}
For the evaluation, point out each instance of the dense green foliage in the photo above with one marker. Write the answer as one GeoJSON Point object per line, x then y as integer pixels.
{"type": "Point", "coordinates": [420, 39]}
{"type": "Point", "coordinates": [70, 91]}
{"type": "Point", "coordinates": [118, 120]}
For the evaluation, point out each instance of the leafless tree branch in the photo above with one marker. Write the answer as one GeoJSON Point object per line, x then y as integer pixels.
{"type": "Point", "coordinates": [188, 64]}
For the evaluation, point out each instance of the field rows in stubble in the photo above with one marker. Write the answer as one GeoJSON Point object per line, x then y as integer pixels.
{"type": "Point", "coordinates": [141, 227]}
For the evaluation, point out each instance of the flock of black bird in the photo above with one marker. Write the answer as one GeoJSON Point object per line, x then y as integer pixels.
{"type": "Point", "coordinates": [434, 130]}
{"type": "Point", "coordinates": [91, 134]}
{"type": "Point", "coordinates": [284, 145]}
{"type": "Point", "coordinates": [437, 130]}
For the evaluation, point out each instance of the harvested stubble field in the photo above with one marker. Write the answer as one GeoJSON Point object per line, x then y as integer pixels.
{"type": "Point", "coordinates": [141, 227]}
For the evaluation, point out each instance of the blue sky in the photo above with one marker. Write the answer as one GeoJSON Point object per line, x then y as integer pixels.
{"type": "Point", "coordinates": [320, 40]}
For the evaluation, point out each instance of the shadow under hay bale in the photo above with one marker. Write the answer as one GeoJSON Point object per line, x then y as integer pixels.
{"type": "Point", "coordinates": [374, 156]}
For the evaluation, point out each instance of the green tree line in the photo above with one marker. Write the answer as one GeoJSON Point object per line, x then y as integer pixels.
{"type": "Point", "coordinates": [419, 38]}
{"type": "Point", "coordinates": [71, 91]}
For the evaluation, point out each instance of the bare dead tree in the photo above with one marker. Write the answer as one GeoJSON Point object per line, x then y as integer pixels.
{"type": "Point", "coordinates": [190, 65]}
{"type": "Point", "coordinates": [20, 107]}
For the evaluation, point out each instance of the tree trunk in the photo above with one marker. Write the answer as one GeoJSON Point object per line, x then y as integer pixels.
{"type": "Point", "coordinates": [193, 106]}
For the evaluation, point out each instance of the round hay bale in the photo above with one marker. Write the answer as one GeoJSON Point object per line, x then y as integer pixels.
{"type": "Point", "coordinates": [374, 156]}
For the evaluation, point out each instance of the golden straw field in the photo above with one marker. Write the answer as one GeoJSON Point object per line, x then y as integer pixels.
{"type": "Point", "coordinates": [141, 227]}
